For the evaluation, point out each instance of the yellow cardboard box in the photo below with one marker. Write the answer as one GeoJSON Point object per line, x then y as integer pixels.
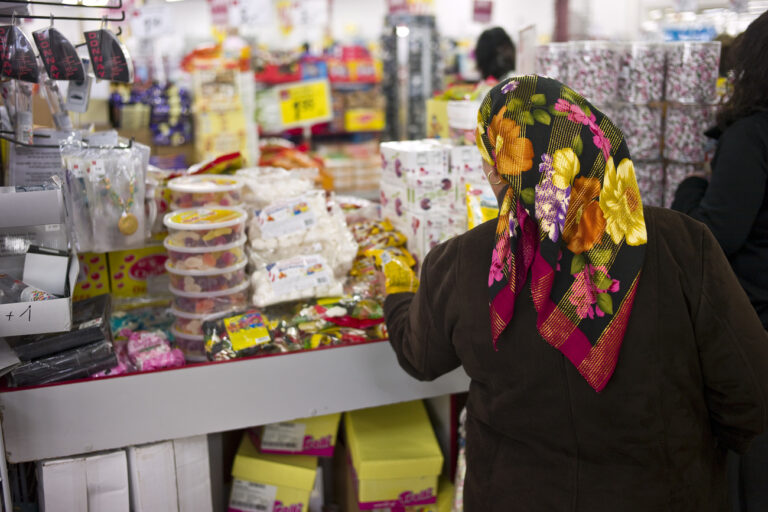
{"type": "Point", "coordinates": [281, 483]}
{"type": "Point", "coordinates": [394, 455]}
{"type": "Point", "coordinates": [133, 271]}
{"type": "Point", "coordinates": [307, 436]}
{"type": "Point", "coordinates": [437, 119]}
{"type": "Point", "coordinates": [93, 279]}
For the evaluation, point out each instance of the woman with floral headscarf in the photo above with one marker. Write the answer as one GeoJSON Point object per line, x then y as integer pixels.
{"type": "Point", "coordinates": [613, 355]}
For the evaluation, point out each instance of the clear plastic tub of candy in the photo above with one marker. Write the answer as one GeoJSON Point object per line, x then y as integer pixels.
{"type": "Point", "coordinates": [192, 323]}
{"type": "Point", "coordinates": [205, 227]}
{"type": "Point", "coordinates": [203, 258]}
{"type": "Point", "coordinates": [211, 302]}
{"type": "Point", "coordinates": [205, 190]}
{"type": "Point", "coordinates": [196, 281]}
{"type": "Point", "coordinates": [192, 346]}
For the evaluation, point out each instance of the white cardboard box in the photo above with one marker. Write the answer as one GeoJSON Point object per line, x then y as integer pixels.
{"type": "Point", "coordinates": [35, 208]}
{"type": "Point", "coordinates": [171, 476]}
{"type": "Point", "coordinates": [84, 484]}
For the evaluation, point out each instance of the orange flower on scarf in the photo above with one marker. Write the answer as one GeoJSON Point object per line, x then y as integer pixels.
{"type": "Point", "coordinates": [584, 222]}
{"type": "Point", "coordinates": [514, 154]}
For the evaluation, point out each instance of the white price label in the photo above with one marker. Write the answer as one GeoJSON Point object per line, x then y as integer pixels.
{"type": "Point", "coordinates": [286, 437]}
{"type": "Point", "coordinates": [298, 274]}
{"type": "Point", "coordinates": [96, 169]}
{"type": "Point", "coordinates": [252, 497]}
{"type": "Point", "coordinates": [286, 218]}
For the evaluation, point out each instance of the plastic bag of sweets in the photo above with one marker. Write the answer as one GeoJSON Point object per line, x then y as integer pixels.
{"type": "Point", "coordinates": [241, 335]}
{"type": "Point", "coordinates": [297, 278]}
{"type": "Point", "coordinates": [151, 350]}
{"type": "Point", "coordinates": [265, 185]}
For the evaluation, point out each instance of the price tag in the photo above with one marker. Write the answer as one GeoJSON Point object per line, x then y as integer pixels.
{"type": "Point", "coordinates": [252, 497]}
{"type": "Point", "coordinates": [305, 103]}
{"type": "Point", "coordinates": [152, 21]}
{"type": "Point", "coordinates": [284, 437]}
{"type": "Point", "coordinates": [251, 13]}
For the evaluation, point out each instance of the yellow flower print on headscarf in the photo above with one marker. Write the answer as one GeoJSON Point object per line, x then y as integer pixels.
{"type": "Point", "coordinates": [566, 165]}
{"type": "Point", "coordinates": [621, 205]}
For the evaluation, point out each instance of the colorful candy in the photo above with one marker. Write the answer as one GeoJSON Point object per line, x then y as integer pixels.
{"type": "Point", "coordinates": [205, 227]}
{"type": "Point", "coordinates": [193, 347]}
{"type": "Point", "coordinates": [205, 190]}
{"type": "Point", "coordinates": [641, 73]}
{"type": "Point", "coordinates": [212, 302]}
{"type": "Point", "coordinates": [684, 139]}
{"type": "Point", "coordinates": [692, 71]}
{"type": "Point", "coordinates": [205, 259]}
{"type": "Point", "coordinates": [196, 281]}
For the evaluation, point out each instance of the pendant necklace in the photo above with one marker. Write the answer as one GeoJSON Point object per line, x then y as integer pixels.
{"type": "Point", "coordinates": [128, 223]}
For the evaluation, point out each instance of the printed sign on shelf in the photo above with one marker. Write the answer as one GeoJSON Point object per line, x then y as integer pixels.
{"type": "Point", "coordinates": [305, 103]}
{"type": "Point", "coordinates": [251, 13]}
{"type": "Point", "coordinates": [152, 21]}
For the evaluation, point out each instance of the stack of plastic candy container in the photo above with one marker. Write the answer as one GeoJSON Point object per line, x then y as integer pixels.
{"type": "Point", "coordinates": [205, 190]}
{"type": "Point", "coordinates": [206, 263]}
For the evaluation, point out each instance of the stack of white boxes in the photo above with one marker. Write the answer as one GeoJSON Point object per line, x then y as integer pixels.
{"type": "Point", "coordinates": [172, 476]}
{"type": "Point", "coordinates": [423, 188]}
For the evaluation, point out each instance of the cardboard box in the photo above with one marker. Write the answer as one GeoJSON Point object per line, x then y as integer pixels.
{"type": "Point", "coordinates": [93, 279]}
{"type": "Point", "coordinates": [437, 119]}
{"type": "Point", "coordinates": [84, 484]}
{"type": "Point", "coordinates": [282, 483]}
{"type": "Point", "coordinates": [171, 476]}
{"type": "Point", "coordinates": [36, 208]}
{"type": "Point", "coordinates": [133, 271]}
{"type": "Point", "coordinates": [394, 456]}
{"type": "Point", "coordinates": [307, 436]}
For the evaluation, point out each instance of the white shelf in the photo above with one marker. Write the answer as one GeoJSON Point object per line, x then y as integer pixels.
{"type": "Point", "coordinates": [68, 419]}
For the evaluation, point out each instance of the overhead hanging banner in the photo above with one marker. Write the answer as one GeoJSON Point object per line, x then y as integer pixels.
{"type": "Point", "coordinates": [482, 11]}
{"type": "Point", "coordinates": [304, 103]}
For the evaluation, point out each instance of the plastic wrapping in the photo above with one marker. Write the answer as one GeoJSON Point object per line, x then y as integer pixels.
{"type": "Point", "coordinates": [641, 73]}
{"type": "Point", "coordinates": [73, 364]}
{"type": "Point", "coordinates": [151, 350]}
{"type": "Point", "coordinates": [684, 138]}
{"type": "Point", "coordinates": [90, 323]}
{"type": "Point", "coordinates": [203, 303]}
{"type": "Point", "coordinates": [241, 335]}
{"type": "Point", "coordinates": [593, 70]}
{"type": "Point", "coordinates": [482, 205]}
{"type": "Point", "coordinates": [692, 71]}
{"type": "Point", "coordinates": [225, 256]}
{"type": "Point", "coordinates": [357, 209]}
{"type": "Point", "coordinates": [301, 226]}
{"type": "Point", "coordinates": [300, 277]}
{"type": "Point", "coordinates": [265, 185]}
{"type": "Point", "coordinates": [205, 191]}
{"type": "Point", "coordinates": [196, 281]}
{"type": "Point", "coordinates": [192, 346]}
{"type": "Point", "coordinates": [205, 227]}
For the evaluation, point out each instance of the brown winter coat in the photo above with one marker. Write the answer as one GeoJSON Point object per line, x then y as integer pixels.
{"type": "Point", "coordinates": [691, 381]}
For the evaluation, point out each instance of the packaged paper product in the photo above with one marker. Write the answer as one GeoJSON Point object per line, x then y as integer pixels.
{"type": "Point", "coordinates": [427, 229]}
{"type": "Point", "coordinates": [205, 190]}
{"type": "Point", "coordinates": [394, 456]}
{"type": "Point", "coordinates": [271, 482]}
{"type": "Point", "coordinates": [432, 192]}
{"type": "Point", "coordinates": [692, 70]}
{"type": "Point", "coordinates": [302, 226]}
{"type": "Point", "coordinates": [205, 227]}
{"type": "Point", "coordinates": [482, 205]}
{"type": "Point", "coordinates": [265, 185]}
{"type": "Point", "coordinates": [296, 278]}
{"type": "Point", "coordinates": [413, 158]}
{"type": "Point", "coordinates": [393, 198]}
{"type": "Point", "coordinates": [308, 436]}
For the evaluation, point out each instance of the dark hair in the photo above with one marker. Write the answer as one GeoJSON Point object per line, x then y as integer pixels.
{"type": "Point", "coordinates": [749, 61]}
{"type": "Point", "coordinates": [495, 53]}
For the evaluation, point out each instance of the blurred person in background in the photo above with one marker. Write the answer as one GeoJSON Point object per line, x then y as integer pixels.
{"type": "Point", "coordinates": [495, 54]}
{"type": "Point", "coordinates": [612, 353]}
{"type": "Point", "coordinates": [733, 203]}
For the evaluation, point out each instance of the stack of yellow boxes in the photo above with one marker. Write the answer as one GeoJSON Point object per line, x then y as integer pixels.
{"type": "Point", "coordinates": [394, 458]}
{"type": "Point", "coordinates": [276, 465]}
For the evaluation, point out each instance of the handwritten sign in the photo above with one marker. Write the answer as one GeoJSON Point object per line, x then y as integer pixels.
{"type": "Point", "coordinates": [305, 103]}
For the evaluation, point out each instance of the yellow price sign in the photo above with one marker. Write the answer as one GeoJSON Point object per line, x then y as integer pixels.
{"type": "Point", "coordinates": [305, 103]}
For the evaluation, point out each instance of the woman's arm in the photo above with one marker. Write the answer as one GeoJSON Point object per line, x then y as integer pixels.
{"type": "Point", "coordinates": [733, 352]}
{"type": "Point", "coordinates": [732, 200]}
{"type": "Point", "coordinates": [420, 324]}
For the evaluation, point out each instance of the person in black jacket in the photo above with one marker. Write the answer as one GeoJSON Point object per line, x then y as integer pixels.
{"type": "Point", "coordinates": [734, 204]}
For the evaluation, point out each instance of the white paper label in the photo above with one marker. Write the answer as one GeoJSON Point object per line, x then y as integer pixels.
{"type": "Point", "coordinates": [285, 218]}
{"type": "Point", "coordinates": [287, 437]}
{"type": "Point", "coordinates": [96, 169]}
{"type": "Point", "coordinates": [298, 274]}
{"type": "Point", "coordinates": [252, 497]}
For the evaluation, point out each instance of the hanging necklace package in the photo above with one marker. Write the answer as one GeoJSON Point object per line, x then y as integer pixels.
{"type": "Point", "coordinates": [106, 195]}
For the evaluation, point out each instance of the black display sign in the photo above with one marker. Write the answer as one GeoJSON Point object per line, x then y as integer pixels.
{"type": "Point", "coordinates": [59, 56]}
{"type": "Point", "coordinates": [109, 58]}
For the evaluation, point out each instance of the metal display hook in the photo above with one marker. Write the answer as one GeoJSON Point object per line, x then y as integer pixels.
{"type": "Point", "coordinates": [69, 18]}
{"type": "Point", "coordinates": [59, 4]}
{"type": "Point", "coordinates": [129, 145]}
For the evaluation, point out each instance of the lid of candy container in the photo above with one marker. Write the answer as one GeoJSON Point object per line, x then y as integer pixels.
{"type": "Point", "coordinates": [205, 183]}
{"type": "Point", "coordinates": [205, 218]}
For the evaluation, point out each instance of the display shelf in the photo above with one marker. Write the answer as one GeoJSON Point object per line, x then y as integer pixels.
{"type": "Point", "coordinates": [68, 419]}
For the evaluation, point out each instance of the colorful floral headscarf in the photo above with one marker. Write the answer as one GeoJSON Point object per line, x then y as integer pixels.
{"type": "Point", "coordinates": [572, 216]}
